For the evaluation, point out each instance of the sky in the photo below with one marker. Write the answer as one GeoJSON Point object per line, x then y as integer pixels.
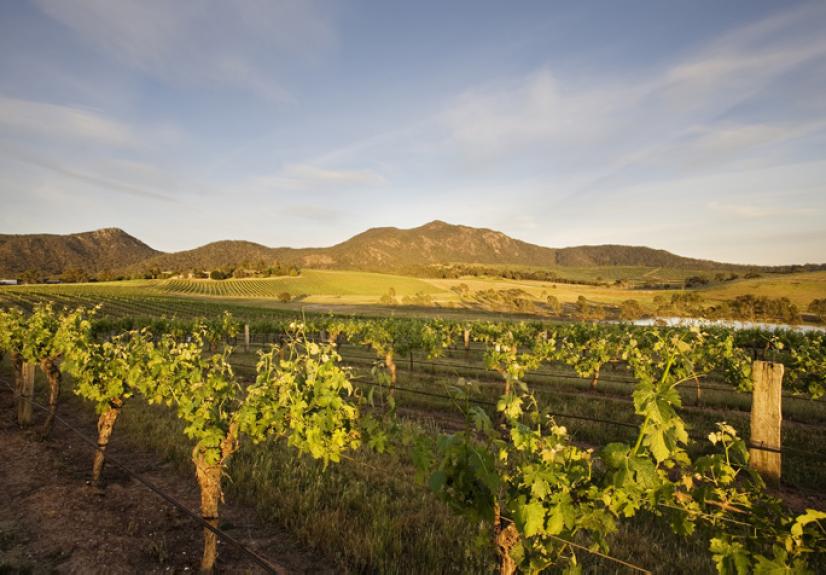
{"type": "Point", "coordinates": [695, 126]}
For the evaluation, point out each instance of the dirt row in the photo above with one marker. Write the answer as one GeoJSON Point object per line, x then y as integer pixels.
{"type": "Point", "coordinates": [53, 521]}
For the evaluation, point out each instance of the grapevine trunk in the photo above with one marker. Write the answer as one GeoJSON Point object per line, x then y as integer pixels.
{"type": "Point", "coordinates": [53, 376]}
{"type": "Point", "coordinates": [24, 405]}
{"type": "Point", "coordinates": [106, 423]}
{"type": "Point", "coordinates": [595, 379]}
{"type": "Point", "coordinates": [17, 364]}
{"type": "Point", "coordinates": [504, 539]}
{"type": "Point", "coordinates": [209, 481]}
{"type": "Point", "coordinates": [391, 367]}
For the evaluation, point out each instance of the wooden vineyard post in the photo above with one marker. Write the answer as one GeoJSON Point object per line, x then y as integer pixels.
{"type": "Point", "coordinates": [246, 337]}
{"type": "Point", "coordinates": [24, 407]}
{"type": "Point", "coordinates": [466, 336]}
{"type": "Point", "coordinates": [766, 418]}
{"type": "Point", "coordinates": [698, 390]}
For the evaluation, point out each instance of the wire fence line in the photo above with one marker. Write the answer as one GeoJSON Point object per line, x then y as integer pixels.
{"type": "Point", "coordinates": [463, 366]}
{"type": "Point", "coordinates": [266, 564]}
{"type": "Point", "coordinates": [488, 403]}
{"type": "Point", "coordinates": [273, 568]}
{"type": "Point", "coordinates": [455, 370]}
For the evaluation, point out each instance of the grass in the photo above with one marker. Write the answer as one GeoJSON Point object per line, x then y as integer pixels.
{"type": "Point", "coordinates": [348, 287]}
{"type": "Point", "coordinates": [635, 275]}
{"type": "Point", "coordinates": [368, 514]}
{"type": "Point", "coordinates": [360, 292]}
{"type": "Point", "coordinates": [800, 288]}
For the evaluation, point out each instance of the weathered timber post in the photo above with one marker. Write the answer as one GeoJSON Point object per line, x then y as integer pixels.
{"type": "Point", "coordinates": [466, 336]}
{"type": "Point", "coordinates": [698, 391]}
{"type": "Point", "coordinates": [766, 418]}
{"type": "Point", "coordinates": [24, 408]}
{"type": "Point", "coordinates": [246, 338]}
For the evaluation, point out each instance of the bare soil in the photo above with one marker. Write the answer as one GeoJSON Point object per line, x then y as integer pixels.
{"type": "Point", "coordinates": [53, 521]}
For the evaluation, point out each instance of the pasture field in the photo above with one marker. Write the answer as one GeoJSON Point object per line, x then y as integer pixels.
{"type": "Point", "coordinates": [632, 275]}
{"type": "Point", "coordinates": [800, 288]}
{"type": "Point", "coordinates": [361, 292]}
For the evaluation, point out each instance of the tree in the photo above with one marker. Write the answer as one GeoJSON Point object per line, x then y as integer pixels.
{"type": "Point", "coordinates": [31, 276]}
{"type": "Point", "coordinates": [553, 305]}
{"type": "Point", "coordinates": [818, 307]}
{"type": "Point", "coordinates": [74, 275]}
{"type": "Point", "coordinates": [420, 298]}
{"type": "Point", "coordinates": [388, 298]}
{"type": "Point", "coordinates": [630, 310]}
{"type": "Point", "coordinates": [696, 281]}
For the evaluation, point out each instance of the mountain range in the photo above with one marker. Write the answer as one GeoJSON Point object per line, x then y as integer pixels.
{"type": "Point", "coordinates": [377, 249]}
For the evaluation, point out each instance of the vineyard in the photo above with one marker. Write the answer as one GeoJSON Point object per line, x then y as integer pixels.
{"type": "Point", "coordinates": [132, 300]}
{"type": "Point", "coordinates": [461, 446]}
{"type": "Point", "coordinates": [362, 291]}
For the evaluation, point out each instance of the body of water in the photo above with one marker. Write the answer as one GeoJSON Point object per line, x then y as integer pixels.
{"type": "Point", "coordinates": [730, 323]}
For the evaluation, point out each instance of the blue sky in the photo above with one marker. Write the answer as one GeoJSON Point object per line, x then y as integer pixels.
{"type": "Point", "coordinates": [697, 127]}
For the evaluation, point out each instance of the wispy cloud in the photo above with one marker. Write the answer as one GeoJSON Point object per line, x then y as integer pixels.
{"type": "Point", "coordinates": [536, 111]}
{"type": "Point", "coordinates": [752, 211]}
{"type": "Point", "coordinates": [313, 213]}
{"type": "Point", "coordinates": [305, 177]}
{"type": "Point", "coordinates": [605, 124]}
{"type": "Point", "coordinates": [96, 180]}
{"type": "Point", "coordinates": [60, 121]}
{"type": "Point", "coordinates": [241, 44]}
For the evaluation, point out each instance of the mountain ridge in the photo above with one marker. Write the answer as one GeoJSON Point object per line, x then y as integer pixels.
{"type": "Point", "coordinates": [375, 249]}
{"type": "Point", "coordinates": [54, 254]}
